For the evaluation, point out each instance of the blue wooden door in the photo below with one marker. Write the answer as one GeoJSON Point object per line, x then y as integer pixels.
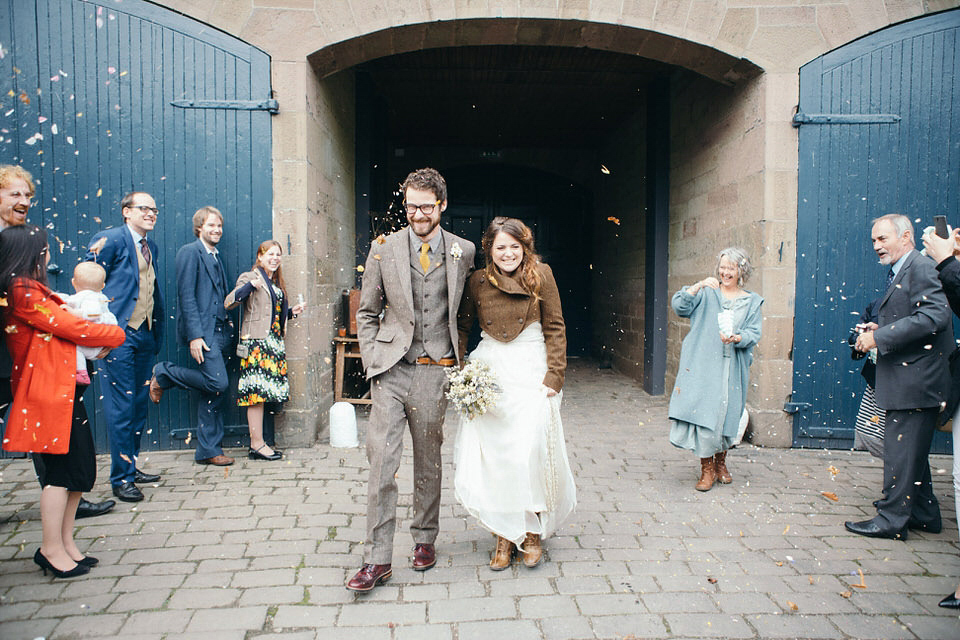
{"type": "Point", "coordinates": [879, 133]}
{"type": "Point", "coordinates": [102, 98]}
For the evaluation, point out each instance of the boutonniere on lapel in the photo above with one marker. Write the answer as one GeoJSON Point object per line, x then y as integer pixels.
{"type": "Point", "coordinates": [456, 251]}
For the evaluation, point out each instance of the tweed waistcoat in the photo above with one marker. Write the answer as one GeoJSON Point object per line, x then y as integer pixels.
{"type": "Point", "coordinates": [430, 334]}
{"type": "Point", "coordinates": [143, 309]}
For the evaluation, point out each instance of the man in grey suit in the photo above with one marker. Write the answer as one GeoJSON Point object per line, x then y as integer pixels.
{"type": "Point", "coordinates": [914, 338]}
{"type": "Point", "coordinates": [414, 278]}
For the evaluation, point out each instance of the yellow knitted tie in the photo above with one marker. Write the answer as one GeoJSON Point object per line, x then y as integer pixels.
{"type": "Point", "coordinates": [424, 258]}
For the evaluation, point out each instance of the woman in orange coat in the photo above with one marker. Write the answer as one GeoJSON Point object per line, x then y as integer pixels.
{"type": "Point", "coordinates": [47, 417]}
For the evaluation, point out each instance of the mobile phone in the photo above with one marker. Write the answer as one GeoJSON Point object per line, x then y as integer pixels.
{"type": "Point", "coordinates": [940, 226]}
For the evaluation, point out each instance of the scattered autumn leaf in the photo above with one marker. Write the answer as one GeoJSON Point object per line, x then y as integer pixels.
{"type": "Point", "coordinates": [830, 495]}
{"type": "Point", "coordinates": [863, 584]}
{"type": "Point", "coordinates": [785, 530]}
{"type": "Point", "coordinates": [793, 606]}
{"type": "Point", "coordinates": [847, 594]}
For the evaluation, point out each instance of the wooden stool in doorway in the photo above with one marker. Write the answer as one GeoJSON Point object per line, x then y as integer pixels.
{"type": "Point", "coordinates": [347, 347]}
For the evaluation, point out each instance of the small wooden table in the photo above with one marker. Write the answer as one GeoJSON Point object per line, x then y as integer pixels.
{"type": "Point", "coordinates": [347, 347]}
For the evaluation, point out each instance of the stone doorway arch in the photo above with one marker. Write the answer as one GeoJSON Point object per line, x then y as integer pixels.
{"type": "Point", "coordinates": [709, 62]}
{"type": "Point", "coordinates": [382, 73]}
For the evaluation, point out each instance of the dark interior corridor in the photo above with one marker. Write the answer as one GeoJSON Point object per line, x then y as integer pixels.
{"type": "Point", "coordinates": [517, 131]}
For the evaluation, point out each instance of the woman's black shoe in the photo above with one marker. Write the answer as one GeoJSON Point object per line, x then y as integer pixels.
{"type": "Point", "coordinates": [89, 561]}
{"type": "Point", "coordinates": [951, 601]}
{"type": "Point", "coordinates": [44, 564]}
{"type": "Point", "coordinates": [254, 454]}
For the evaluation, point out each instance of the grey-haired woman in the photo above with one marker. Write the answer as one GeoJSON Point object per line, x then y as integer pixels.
{"type": "Point", "coordinates": [711, 388]}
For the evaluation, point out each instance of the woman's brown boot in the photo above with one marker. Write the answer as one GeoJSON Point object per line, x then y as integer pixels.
{"type": "Point", "coordinates": [502, 555]}
{"type": "Point", "coordinates": [708, 474]}
{"type": "Point", "coordinates": [723, 475]}
{"type": "Point", "coordinates": [532, 551]}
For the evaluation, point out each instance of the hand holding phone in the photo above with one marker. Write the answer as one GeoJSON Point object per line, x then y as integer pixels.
{"type": "Point", "coordinates": [940, 226]}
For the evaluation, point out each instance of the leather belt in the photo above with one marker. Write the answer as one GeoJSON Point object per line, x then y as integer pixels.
{"type": "Point", "coordinates": [442, 362]}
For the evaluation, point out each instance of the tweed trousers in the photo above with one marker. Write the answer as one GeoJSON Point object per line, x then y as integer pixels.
{"type": "Point", "coordinates": [405, 395]}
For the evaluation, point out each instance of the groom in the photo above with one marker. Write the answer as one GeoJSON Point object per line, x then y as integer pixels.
{"type": "Point", "coordinates": [415, 278]}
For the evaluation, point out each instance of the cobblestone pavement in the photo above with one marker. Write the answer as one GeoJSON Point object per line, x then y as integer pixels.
{"type": "Point", "coordinates": [263, 549]}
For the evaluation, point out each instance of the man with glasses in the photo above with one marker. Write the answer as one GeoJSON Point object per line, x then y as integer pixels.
{"type": "Point", "coordinates": [415, 278]}
{"type": "Point", "coordinates": [130, 260]}
{"type": "Point", "coordinates": [16, 197]}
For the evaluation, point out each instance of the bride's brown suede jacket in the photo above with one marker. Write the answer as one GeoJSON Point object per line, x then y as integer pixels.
{"type": "Point", "coordinates": [504, 309]}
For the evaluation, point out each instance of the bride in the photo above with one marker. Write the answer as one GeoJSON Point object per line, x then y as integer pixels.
{"type": "Point", "coordinates": [512, 472]}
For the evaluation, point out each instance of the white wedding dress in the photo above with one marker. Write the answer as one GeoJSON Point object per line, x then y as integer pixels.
{"type": "Point", "coordinates": [511, 462]}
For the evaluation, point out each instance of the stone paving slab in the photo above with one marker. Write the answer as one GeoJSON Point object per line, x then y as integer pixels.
{"type": "Point", "coordinates": [261, 550]}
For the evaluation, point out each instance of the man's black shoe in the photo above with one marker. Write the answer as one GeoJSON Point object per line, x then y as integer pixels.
{"type": "Point", "coordinates": [145, 478]}
{"type": "Point", "coordinates": [871, 529]}
{"type": "Point", "coordinates": [128, 492]}
{"type": "Point", "coordinates": [87, 509]}
{"type": "Point", "coordinates": [934, 526]}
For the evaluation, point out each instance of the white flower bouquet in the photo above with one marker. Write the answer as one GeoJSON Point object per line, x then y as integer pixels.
{"type": "Point", "coordinates": [473, 389]}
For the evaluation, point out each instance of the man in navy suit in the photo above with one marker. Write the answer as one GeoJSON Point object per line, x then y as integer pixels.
{"type": "Point", "coordinates": [204, 326]}
{"type": "Point", "coordinates": [914, 338]}
{"type": "Point", "coordinates": [131, 262]}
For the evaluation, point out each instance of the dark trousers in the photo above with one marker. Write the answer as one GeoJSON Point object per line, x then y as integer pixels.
{"type": "Point", "coordinates": [211, 381]}
{"type": "Point", "coordinates": [124, 381]}
{"type": "Point", "coordinates": [907, 487]}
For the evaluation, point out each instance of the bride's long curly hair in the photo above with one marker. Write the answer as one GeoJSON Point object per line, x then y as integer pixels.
{"type": "Point", "coordinates": [529, 277]}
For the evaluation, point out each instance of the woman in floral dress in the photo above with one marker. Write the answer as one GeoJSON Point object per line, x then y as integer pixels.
{"type": "Point", "coordinates": [263, 364]}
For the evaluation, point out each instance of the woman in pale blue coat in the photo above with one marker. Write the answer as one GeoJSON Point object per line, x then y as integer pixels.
{"type": "Point", "coordinates": [711, 388]}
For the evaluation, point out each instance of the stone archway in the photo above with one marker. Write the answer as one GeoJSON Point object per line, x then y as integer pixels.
{"type": "Point", "coordinates": [689, 54]}
{"type": "Point", "coordinates": [629, 293]}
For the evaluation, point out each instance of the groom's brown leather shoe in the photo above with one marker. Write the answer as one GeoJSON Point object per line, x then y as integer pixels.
{"type": "Point", "coordinates": [156, 391]}
{"type": "Point", "coordinates": [369, 576]}
{"type": "Point", "coordinates": [424, 557]}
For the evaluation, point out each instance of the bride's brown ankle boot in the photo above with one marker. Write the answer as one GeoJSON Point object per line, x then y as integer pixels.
{"type": "Point", "coordinates": [532, 551]}
{"type": "Point", "coordinates": [502, 555]}
{"type": "Point", "coordinates": [708, 474]}
{"type": "Point", "coordinates": [720, 462]}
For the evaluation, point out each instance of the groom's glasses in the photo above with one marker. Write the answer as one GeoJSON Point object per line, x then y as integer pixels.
{"type": "Point", "coordinates": [427, 209]}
